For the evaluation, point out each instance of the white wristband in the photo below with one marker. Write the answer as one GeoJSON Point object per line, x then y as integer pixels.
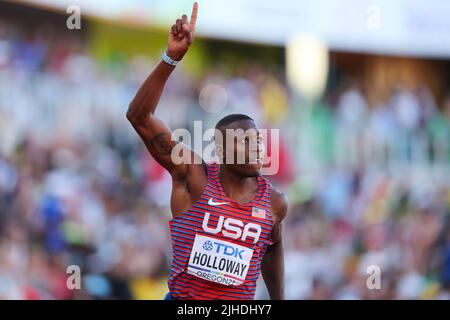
{"type": "Point", "coordinates": [168, 59]}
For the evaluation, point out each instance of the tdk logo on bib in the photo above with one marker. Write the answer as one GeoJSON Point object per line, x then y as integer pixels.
{"type": "Point", "coordinates": [224, 249]}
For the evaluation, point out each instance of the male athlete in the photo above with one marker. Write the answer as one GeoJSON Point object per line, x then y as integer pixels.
{"type": "Point", "coordinates": [226, 224]}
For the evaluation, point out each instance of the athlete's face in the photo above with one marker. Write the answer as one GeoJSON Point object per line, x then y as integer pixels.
{"type": "Point", "coordinates": [242, 148]}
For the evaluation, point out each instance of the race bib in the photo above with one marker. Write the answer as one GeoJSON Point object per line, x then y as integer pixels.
{"type": "Point", "coordinates": [219, 261]}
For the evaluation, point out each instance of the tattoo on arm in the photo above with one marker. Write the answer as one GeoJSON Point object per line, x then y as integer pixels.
{"type": "Point", "coordinates": [162, 144]}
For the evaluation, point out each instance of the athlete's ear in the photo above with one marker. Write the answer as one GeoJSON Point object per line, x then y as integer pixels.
{"type": "Point", "coordinates": [219, 152]}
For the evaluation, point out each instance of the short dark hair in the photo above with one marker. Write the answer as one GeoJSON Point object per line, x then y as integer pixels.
{"type": "Point", "coordinates": [231, 118]}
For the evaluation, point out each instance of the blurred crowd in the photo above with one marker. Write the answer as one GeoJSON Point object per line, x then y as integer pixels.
{"type": "Point", "coordinates": [368, 185]}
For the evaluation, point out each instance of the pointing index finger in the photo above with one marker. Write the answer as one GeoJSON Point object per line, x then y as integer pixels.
{"type": "Point", "coordinates": [193, 16]}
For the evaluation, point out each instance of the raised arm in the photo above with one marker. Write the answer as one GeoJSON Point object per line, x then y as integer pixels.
{"type": "Point", "coordinates": [141, 111]}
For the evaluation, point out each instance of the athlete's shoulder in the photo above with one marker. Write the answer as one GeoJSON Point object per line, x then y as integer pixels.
{"type": "Point", "coordinates": [278, 203]}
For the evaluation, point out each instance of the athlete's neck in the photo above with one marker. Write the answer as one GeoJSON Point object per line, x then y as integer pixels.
{"type": "Point", "coordinates": [239, 188]}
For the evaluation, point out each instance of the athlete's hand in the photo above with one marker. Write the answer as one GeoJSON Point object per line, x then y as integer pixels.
{"type": "Point", "coordinates": [182, 34]}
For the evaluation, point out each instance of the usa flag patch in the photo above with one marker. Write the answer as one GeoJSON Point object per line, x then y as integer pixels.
{"type": "Point", "coordinates": [258, 213]}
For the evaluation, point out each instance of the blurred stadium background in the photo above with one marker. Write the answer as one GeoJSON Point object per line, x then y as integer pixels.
{"type": "Point", "coordinates": [359, 89]}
